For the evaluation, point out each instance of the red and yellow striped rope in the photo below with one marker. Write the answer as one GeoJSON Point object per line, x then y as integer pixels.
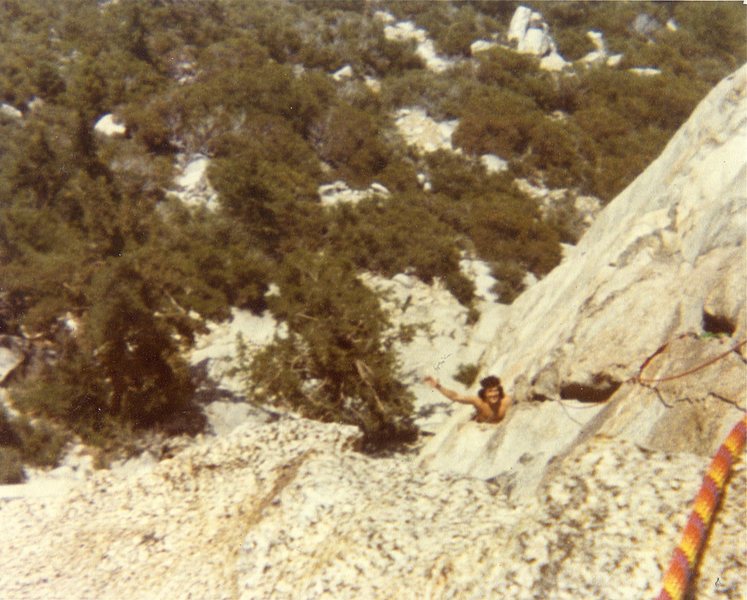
{"type": "Point", "coordinates": [685, 556]}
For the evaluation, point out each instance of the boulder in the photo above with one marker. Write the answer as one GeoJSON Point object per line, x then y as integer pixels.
{"type": "Point", "coordinates": [109, 126]}
{"type": "Point", "coordinates": [338, 192]}
{"type": "Point", "coordinates": [645, 71]}
{"type": "Point", "coordinates": [519, 23]}
{"type": "Point", "coordinates": [493, 163]}
{"type": "Point", "coordinates": [373, 84]}
{"type": "Point", "coordinates": [193, 187]}
{"type": "Point", "coordinates": [532, 36]}
{"type": "Point", "coordinates": [553, 62]}
{"type": "Point", "coordinates": [614, 60]}
{"type": "Point", "coordinates": [11, 112]}
{"type": "Point", "coordinates": [426, 134]}
{"type": "Point", "coordinates": [599, 54]}
{"type": "Point", "coordinates": [536, 41]}
{"type": "Point", "coordinates": [481, 46]}
{"type": "Point", "coordinates": [343, 74]}
{"type": "Point", "coordinates": [435, 62]}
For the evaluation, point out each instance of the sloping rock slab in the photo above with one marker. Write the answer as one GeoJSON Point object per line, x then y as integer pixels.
{"type": "Point", "coordinates": [661, 259]}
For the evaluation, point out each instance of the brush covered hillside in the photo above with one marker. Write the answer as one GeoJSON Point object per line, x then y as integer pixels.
{"type": "Point", "coordinates": [164, 164]}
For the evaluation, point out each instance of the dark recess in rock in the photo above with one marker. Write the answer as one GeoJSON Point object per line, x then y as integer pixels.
{"type": "Point", "coordinates": [717, 324]}
{"type": "Point", "coordinates": [589, 393]}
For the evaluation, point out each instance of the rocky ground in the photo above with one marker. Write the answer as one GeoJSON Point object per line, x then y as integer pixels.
{"type": "Point", "coordinates": [290, 510]}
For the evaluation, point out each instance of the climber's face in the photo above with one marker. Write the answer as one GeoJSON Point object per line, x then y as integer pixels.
{"type": "Point", "coordinates": [492, 394]}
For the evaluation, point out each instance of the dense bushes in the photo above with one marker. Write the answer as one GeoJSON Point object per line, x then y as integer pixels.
{"type": "Point", "coordinates": [350, 141]}
{"type": "Point", "coordinates": [611, 122]}
{"type": "Point", "coordinates": [397, 235]}
{"type": "Point", "coordinates": [97, 255]}
{"type": "Point", "coordinates": [87, 236]}
{"type": "Point", "coordinates": [502, 226]}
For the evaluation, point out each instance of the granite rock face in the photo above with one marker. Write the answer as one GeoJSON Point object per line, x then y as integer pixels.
{"type": "Point", "coordinates": [638, 337]}
{"type": "Point", "coordinates": [664, 258]}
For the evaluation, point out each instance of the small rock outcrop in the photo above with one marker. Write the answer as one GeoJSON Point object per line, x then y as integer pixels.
{"type": "Point", "coordinates": [531, 34]}
{"type": "Point", "coordinates": [193, 187]}
{"type": "Point", "coordinates": [11, 112]}
{"type": "Point", "coordinates": [407, 30]}
{"type": "Point", "coordinates": [109, 126]}
{"type": "Point", "coordinates": [426, 134]}
{"type": "Point", "coordinates": [338, 192]}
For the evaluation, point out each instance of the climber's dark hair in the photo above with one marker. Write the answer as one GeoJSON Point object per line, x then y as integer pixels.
{"type": "Point", "coordinates": [491, 381]}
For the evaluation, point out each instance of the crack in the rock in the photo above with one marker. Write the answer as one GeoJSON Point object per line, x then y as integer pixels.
{"type": "Point", "coordinates": [657, 392]}
{"type": "Point", "coordinates": [725, 399]}
{"type": "Point", "coordinates": [288, 473]}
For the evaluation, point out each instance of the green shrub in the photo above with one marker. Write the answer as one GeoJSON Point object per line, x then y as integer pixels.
{"type": "Point", "coordinates": [503, 228]}
{"type": "Point", "coordinates": [336, 363]}
{"type": "Point", "coordinates": [264, 175]}
{"type": "Point", "coordinates": [11, 466]}
{"type": "Point", "coordinates": [573, 44]}
{"type": "Point", "coordinates": [510, 280]}
{"type": "Point", "coordinates": [496, 121]}
{"type": "Point", "coordinates": [39, 443]}
{"type": "Point", "coordinates": [439, 95]}
{"type": "Point", "coordinates": [463, 29]}
{"type": "Point", "coordinates": [467, 374]}
{"type": "Point", "coordinates": [349, 140]}
{"type": "Point", "coordinates": [42, 443]}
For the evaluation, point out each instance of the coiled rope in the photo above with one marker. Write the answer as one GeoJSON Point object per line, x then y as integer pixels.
{"type": "Point", "coordinates": [685, 557]}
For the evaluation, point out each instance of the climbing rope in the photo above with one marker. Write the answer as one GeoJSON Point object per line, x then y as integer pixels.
{"type": "Point", "coordinates": [640, 379]}
{"type": "Point", "coordinates": [685, 556]}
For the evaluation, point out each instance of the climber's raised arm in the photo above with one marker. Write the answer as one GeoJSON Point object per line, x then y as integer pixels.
{"type": "Point", "coordinates": [451, 394]}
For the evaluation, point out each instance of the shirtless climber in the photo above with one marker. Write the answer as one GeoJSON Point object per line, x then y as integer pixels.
{"type": "Point", "coordinates": [491, 401]}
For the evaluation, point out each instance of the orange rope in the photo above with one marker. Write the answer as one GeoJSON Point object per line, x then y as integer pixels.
{"type": "Point", "coordinates": [686, 555]}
